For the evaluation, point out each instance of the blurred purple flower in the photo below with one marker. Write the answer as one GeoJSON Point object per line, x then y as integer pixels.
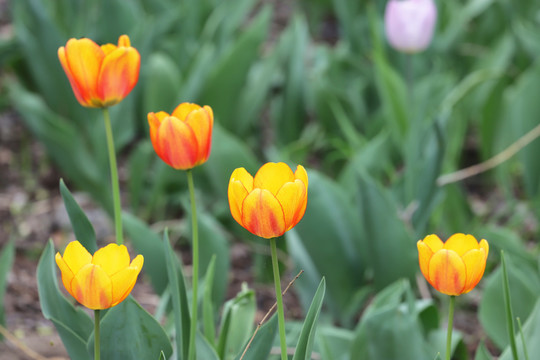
{"type": "Point", "coordinates": [409, 24]}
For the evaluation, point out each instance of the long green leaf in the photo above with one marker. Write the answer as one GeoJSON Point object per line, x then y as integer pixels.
{"type": "Point", "coordinates": [83, 229]}
{"type": "Point", "coordinates": [129, 332]}
{"type": "Point", "coordinates": [262, 343]}
{"type": "Point", "coordinates": [307, 336]}
{"type": "Point", "coordinates": [6, 262]}
{"type": "Point", "coordinates": [182, 319]}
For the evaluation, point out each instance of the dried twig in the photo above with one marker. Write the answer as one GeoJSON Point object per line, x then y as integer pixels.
{"type": "Point", "coordinates": [268, 314]}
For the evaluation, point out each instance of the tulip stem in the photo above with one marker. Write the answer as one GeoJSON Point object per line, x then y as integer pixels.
{"type": "Point", "coordinates": [279, 300]}
{"type": "Point", "coordinates": [97, 314]}
{"type": "Point", "coordinates": [195, 266]}
{"type": "Point", "coordinates": [114, 178]}
{"type": "Point", "coordinates": [450, 326]}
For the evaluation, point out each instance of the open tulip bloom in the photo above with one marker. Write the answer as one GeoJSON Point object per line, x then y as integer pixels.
{"type": "Point", "coordinates": [100, 76]}
{"type": "Point", "coordinates": [453, 268]}
{"type": "Point", "coordinates": [268, 205]}
{"type": "Point", "coordinates": [102, 280]}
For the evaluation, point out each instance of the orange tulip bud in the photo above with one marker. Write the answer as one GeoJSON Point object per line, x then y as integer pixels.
{"type": "Point", "coordinates": [182, 139]}
{"type": "Point", "coordinates": [454, 267]}
{"type": "Point", "coordinates": [100, 76]}
{"type": "Point", "coordinates": [270, 203]}
{"type": "Point", "coordinates": [102, 280]}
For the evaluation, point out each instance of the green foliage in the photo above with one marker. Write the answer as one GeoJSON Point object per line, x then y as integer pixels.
{"type": "Point", "coordinates": [6, 262]}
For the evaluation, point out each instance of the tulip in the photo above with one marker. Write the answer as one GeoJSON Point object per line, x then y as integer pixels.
{"type": "Point", "coordinates": [409, 24]}
{"type": "Point", "coordinates": [100, 76]}
{"type": "Point", "coordinates": [98, 281]}
{"type": "Point", "coordinates": [182, 139]}
{"type": "Point", "coordinates": [454, 267]}
{"type": "Point", "coordinates": [270, 203]}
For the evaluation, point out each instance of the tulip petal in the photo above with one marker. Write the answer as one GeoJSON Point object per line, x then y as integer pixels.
{"type": "Point", "coordinates": [262, 214]}
{"type": "Point", "coordinates": [92, 287]}
{"type": "Point", "coordinates": [424, 256]}
{"type": "Point", "coordinates": [124, 280]}
{"type": "Point", "coordinates": [433, 242]}
{"type": "Point", "coordinates": [67, 274]}
{"type": "Point", "coordinates": [236, 193]}
{"type": "Point", "coordinates": [177, 144]}
{"type": "Point", "coordinates": [484, 245]}
{"type": "Point", "coordinates": [461, 243]}
{"type": "Point", "coordinates": [475, 264]}
{"type": "Point", "coordinates": [81, 60]}
{"type": "Point", "coordinates": [292, 196]}
{"type": "Point", "coordinates": [447, 272]}
{"type": "Point", "coordinates": [76, 256]}
{"type": "Point", "coordinates": [201, 124]}
{"type": "Point", "coordinates": [244, 177]}
{"type": "Point", "coordinates": [112, 258]}
{"type": "Point", "coordinates": [301, 174]}
{"type": "Point", "coordinates": [181, 112]}
{"type": "Point", "coordinates": [119, 74]}
{"type": "Point", "coordinates": [272, 176]}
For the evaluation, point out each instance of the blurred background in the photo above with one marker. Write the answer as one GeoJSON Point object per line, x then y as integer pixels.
{"type": "Point", "coordinates": [311, 82]}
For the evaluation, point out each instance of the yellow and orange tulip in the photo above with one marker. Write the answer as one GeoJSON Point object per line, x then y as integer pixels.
{"type": "Point", "coordinates": [270, 203]}
{"type": "Point", "coordinates": [184, 138]}
{"type": "Point", "coordinates": [102, 280]}
{"type": "Point", "coordinates": [100, 76]}
{"type": "Point", "coordinates": [454, 267]}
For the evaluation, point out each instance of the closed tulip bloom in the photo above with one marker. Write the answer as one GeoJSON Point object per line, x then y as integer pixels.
{"type": "Point", "coordinates": [270, 203]}
{"type": "Point", "coordinates": [100, 76]}
{"type": "Point", "coordinates": [409, 24]}
{"type": "Point", "coordinates": [454, 267]}
{"type": "Point", "coordinates": [102, 280]}
{"type": "Point", "coordinates": [182, 139]}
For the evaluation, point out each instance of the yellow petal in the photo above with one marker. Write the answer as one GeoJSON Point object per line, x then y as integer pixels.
{"type": "Point", "coordinates": [292, 197]}
{"type": "Point", "coordinates": [177, 144]}
{"type": "Point", "coordinates": [124, 281]}
{"type": "Point", "coordinates": [112, 258]}
{"type": "Point", "coordinates": [119, 75]}
{"type": "Point", "coordinates": [244, 177]}
{"type": "Point", "coordinates": [76, 256]}
{"type": "Point", "coordinates": [181, 112]}
{"type": "Point", "coordinates": [262, 214]}
{"type": "Point", "coordinates": [424, 256]}
{"type": "Point", "coordinates": [461, 243]}
{"type": "Point", "coordinates": [92, 287]}
{"type": "Point", "coordinates": [124, 41]}
{"type": "Point", "coordinates": [67, 274]}
{"type": "Point", "coordinates": [301, 174]}
{"type": "Point", "coordinates": [475, 264]}
{"type": "Point", "coordinates": [272, 176]}
{"type": "Point", "coordinates": [83, 58]}
{"type": "Point", "coordinates": [447, 272]}
{"type": "Point", "coordinates": [201, 124]}
{"type": "Point", "coordinates": [236, 194]}
{"type": "Point", "coordinates": [433, 242]}
{"type": "Point", "coordinates": [484, 245]}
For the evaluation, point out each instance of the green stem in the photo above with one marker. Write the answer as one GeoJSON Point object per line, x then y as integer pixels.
{"type": "Point", "coordinates": [450, 327]}
{"type": "Point", "coordinates": [523, 343]}
{"type": "Point", "coordinates": [97, 314]}
{"type": "Point", "coordinates": [114, 178]}
{"type": "Point", "coordinates": [281, 315]}
{"type": "Point", "coordinates": [195, 267]}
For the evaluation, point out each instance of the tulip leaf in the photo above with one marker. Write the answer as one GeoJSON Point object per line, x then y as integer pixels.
{"type": "Point", "coordinates": [71, 322]}
{"type": "Point", "coordinates": [162, 356]}
{"type": "Point", "coordinates": [307, 335]}
{"type": "Point", "coordinates": [388, 240]}
{"type": "Point", "coordinates": [531, 334]}
{"type": "Point", "coordinates": [148, 243]}
{"type": "Point", "coordinates": [208, 305]}
{"type": "Point", "coordinates": [162, 84]}
{"type": "Point", "coordinates": [74, 344]}
{"type": "Point", "coordinates": [182, 319]}
{"type": "Point", "coordinates": [205, 351]}
{"type": "Point", "coordinates": [237, 324]}
{"type": "Point", "coordinates": [6, 262]}
{"type": "Point", "coordinates": [129, 332]}
{"type": "Point", "coordinates": [482, 352]}
{"type": "Point", "coordinates": [83, 229]}
{"type": "Point", "coordinates": [262, 342]}
{"type": "Point", "coordinates": [329, 215]}
{"type": "Point", "coordinates": [524, 287]}
{"type": "Point", "coordinates": [231, 71]}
